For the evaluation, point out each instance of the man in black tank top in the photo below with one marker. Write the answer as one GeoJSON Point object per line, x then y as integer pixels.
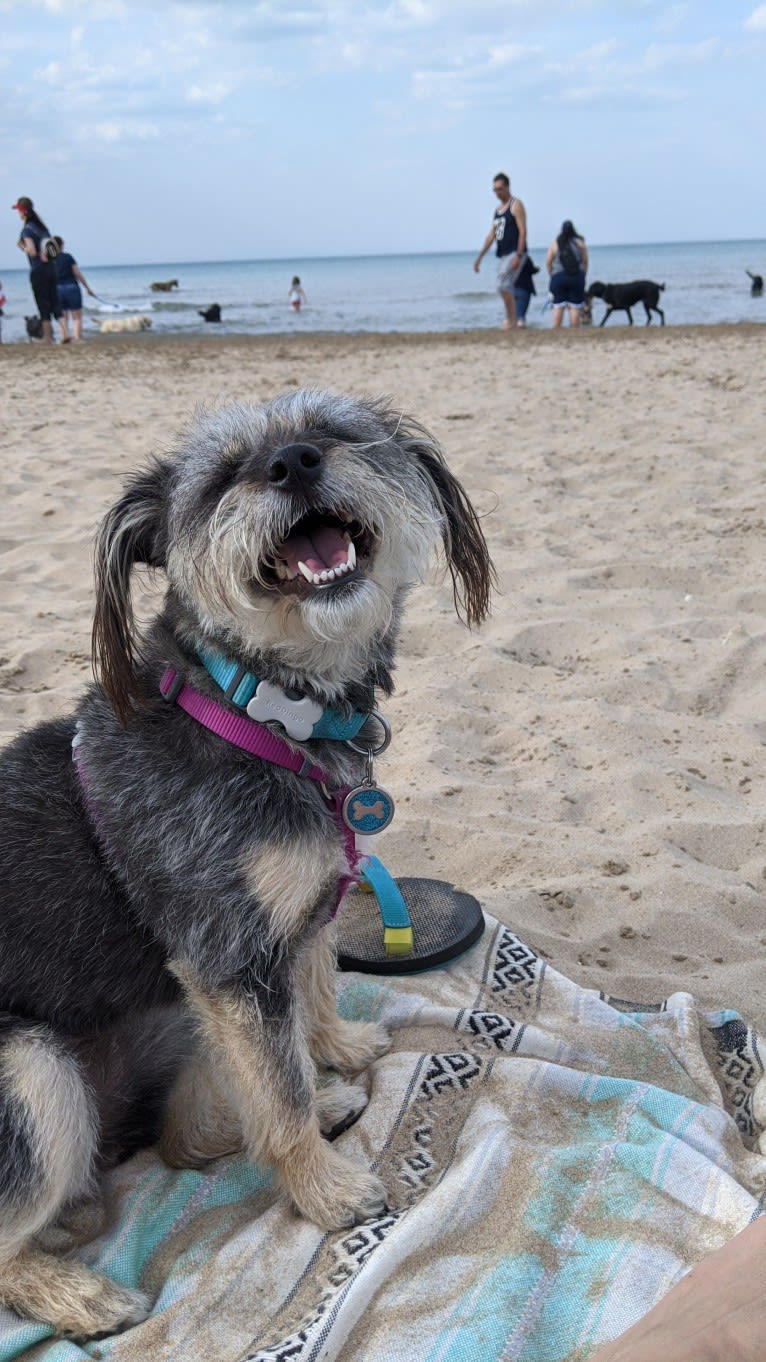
{"type": "Point", "coordinates": [509, 234]}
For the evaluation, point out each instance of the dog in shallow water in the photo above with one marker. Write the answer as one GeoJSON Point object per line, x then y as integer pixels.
{"type": "Point", "coordinates": [166, 964]}
{"type": "Point", "coordinates": [622, 297]}
{"type": "Point", "coordinates": [116, 325]}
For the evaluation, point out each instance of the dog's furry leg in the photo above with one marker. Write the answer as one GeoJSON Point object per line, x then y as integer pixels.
{"type": "Point", "coordinates": [271, 1071]}
{"type": "Point", "coordinates": [78, 1302]}
{"type": "Point", "coordinates": [346, 1046]}
{"type": "Point", "coordinates": [201, 1120]}
{"type": "Point", "coordinates": [49, 1131]}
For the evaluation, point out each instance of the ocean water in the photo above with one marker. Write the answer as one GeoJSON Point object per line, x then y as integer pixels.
{"type": "Point", "coordinates": [704, 282]}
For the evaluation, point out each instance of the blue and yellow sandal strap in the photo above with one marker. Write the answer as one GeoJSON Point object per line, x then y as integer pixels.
{"type": "Point", "coordinates": [397, 929]}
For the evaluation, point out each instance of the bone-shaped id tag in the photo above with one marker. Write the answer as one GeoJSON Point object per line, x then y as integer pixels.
{"type": "Point", "coordinates": [367, 808]}
{"type": "Point", "coordinates": [297, 717]}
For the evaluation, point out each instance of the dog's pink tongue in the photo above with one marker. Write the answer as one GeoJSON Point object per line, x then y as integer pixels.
{"type": "Point", "coordinates": [323, 548]}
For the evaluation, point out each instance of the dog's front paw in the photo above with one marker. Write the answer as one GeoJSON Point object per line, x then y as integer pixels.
{"type": "Point", "coordinates": [335, 1193]}
{"type": "Point", "coordinates": [338, 1106]}
{"type": "Point", "coordinates": [351, 1047]}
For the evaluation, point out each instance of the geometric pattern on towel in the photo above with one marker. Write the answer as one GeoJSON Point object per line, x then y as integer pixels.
{"type": "Point", "coordinates": [555, 1160]}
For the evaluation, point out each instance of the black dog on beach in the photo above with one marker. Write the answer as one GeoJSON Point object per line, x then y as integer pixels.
{"type": "Point", "coordinates": [212, 313]}
{"type": "Point", "coordinates": [622, 297]}
{"type": "Point", "coordinates": [166, 898]}
{"type": "Point", "coordinates": [34, 328]}
{"type": "Point", "coordinates": [756, 288]}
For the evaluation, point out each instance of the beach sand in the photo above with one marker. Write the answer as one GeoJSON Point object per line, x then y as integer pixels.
{"type": "Point", "coordinates": [590, 762]}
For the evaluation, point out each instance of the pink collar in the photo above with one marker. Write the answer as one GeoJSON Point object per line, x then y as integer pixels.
{"type": "Point", "coordinates": [256, 739]}
{"type": "Point", "coordinates": [246, 733]}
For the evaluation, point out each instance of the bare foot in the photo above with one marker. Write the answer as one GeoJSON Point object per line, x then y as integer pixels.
{"type": "Point", "coordinates": [715, 1314]}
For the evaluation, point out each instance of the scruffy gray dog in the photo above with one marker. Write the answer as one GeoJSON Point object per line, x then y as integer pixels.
{"type": "Point", "coordinates": [164, 972]}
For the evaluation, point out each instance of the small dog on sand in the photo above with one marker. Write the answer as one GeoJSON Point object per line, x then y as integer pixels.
{"type": "Point", "coordinates": [114, 325]}
{"type": "Point", "coordinates": [166, 963]}
{"type": "Point", "coordinates": [34, 328]}
{"type": "Point", "coordinates": [622, 297]}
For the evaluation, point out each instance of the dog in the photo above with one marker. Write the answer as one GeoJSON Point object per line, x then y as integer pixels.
{"type": "Point", "coordinates": [166, 958]}
{"type": "Point", "coordinates": [212, 313]}
{"type": "Point", "coordinates": [113, 325]}
{"type": "Point", "coordinates": [34, 328]}
{"type": "Point", "coordinates": [164, 287]}
{"type": "Point", "coordinates": [756, 287]}
{"type": "Point", "coordinates": [622, 297]}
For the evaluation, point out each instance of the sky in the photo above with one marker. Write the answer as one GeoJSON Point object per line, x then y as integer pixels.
{"type": "Point", "coordinates": [270, 129]}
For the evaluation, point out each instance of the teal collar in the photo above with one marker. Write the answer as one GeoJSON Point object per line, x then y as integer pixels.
{"type": "Point", "coordinates": [302, 719]}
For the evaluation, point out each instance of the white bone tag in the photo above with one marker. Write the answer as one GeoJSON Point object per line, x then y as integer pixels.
{"type": "Point", "coordinates": [297, 717]}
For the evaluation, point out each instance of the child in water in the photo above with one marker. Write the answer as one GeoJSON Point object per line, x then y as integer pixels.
{"type": "Point", "coordinates": [295, 294]}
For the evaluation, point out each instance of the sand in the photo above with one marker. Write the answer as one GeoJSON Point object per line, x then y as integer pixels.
{"type": "Point", "coordinates": [590, 762]}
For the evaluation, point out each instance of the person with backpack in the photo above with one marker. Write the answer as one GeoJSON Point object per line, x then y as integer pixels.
{"type": "Point", "coordinates": [41, 250]}
{"type": "Point", "coordinates": [567, 265]}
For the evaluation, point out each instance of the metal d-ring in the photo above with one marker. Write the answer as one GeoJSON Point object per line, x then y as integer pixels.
{"type": "Point", "coordinates": [365, 748]}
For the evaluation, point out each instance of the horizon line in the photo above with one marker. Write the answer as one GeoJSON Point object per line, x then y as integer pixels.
{"type": "Point", "coordinates": [396, 255]}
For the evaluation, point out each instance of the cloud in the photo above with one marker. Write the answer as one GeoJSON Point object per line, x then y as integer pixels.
{"type": "Point", "coordinates": [125, 132]}
{"type": "Point", "coordinates": [677, 54]}
{"type": "Point", "coordinates": [509, 54]}
{"type": "Point", "coordinates": [756, 22]}
{"type": "Point", "coordinates": [214, 93]}
{"type": "Point", "coordinates": [672, 18]}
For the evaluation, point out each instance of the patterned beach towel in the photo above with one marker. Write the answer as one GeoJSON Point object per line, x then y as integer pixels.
{"type": "Point", "coordinates": [555, 1161]}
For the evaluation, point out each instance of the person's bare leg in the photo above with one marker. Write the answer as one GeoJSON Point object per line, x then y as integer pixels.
{"type": "Point", "coordinates": [556, 317]}
{"type": "Point", "coordinates": [77, 325]}
{"type": "Point", "coordinates": [509, 303]}
{"type": "Point", "coordinates": [716, 1314]}
{"type": "Point", "coordinates": [47, 336]}
{"type": "Point", "coordinates": [574, 316]}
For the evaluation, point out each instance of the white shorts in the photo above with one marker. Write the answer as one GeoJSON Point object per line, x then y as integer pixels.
{"type": "Point", "coordinates": [506, 277]}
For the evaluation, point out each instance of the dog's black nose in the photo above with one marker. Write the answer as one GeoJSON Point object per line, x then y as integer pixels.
{"type": "Point", "coordinates": [294, 466]}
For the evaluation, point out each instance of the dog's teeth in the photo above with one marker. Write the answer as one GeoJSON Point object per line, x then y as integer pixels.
{"type": "Point", "coordinates": [351, 555]}
{"type": "Point", "coordinates": [316, 579]}
{"type": "Point", "coordinates": [306, 572]}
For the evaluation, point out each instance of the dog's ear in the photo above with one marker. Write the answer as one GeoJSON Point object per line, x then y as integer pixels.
{"type": "Point", "coordinates": [133, 531]}
{"type": "Point", "coordinates": [465, 547]}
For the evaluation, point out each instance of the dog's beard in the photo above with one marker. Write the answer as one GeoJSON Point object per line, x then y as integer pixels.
{"type": "Point", "coordinates": [225, 572]}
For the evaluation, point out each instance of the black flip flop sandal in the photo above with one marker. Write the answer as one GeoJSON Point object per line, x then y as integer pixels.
{"type": "Point", "coordinates": [389, 926]}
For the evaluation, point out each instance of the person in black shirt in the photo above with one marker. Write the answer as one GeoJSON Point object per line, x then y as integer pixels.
{"type": "Point", "coordinates": [42, 275]}
{"type": "Point", "coordinates": [509, 234]}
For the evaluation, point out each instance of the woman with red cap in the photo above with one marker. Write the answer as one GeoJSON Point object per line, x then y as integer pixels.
{"type": "Point", "coordinates": [42, 275]}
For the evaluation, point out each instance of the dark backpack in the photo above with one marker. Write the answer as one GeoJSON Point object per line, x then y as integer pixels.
{"type": "Point", "coordinates": [569, 257]}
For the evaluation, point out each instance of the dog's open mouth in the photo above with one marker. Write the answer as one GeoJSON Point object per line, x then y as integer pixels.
{"type": "Point", "coordinates": [322, 551]}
